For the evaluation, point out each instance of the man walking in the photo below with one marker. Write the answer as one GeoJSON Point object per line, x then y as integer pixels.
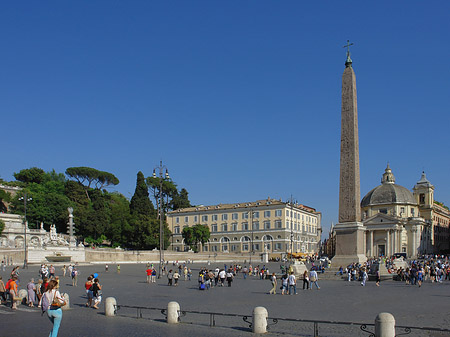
{"type": "Point", "coordinates": [313, 278]}
{"type": "Point", "coordinates": [292, 284]}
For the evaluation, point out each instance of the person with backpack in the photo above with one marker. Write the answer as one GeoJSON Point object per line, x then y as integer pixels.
{"type": "Point", "coordinates": [74, 277]}
{"type": "Point", "coordinates": [51, 303]}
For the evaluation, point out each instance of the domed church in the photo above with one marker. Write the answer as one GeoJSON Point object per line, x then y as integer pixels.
{"type": "Point", "coordinates": [392, 218]}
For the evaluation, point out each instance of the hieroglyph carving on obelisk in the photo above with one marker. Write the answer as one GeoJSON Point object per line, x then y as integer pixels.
{"type": "Point", "coordinates": [349, 185]}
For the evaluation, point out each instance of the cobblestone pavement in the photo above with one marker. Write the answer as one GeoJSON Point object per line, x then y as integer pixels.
{"type": "Point", "coordinates": [337, 300]}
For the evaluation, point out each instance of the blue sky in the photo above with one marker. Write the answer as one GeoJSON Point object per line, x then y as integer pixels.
{"type": "Point", "coordinates": [240, 99]}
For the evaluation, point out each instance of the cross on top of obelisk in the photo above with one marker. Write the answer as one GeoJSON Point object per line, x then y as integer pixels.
{"type": "Point", "coordinates": [348, 62]}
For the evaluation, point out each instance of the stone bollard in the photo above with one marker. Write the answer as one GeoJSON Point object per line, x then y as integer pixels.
{"type": "Point", "coordinates": [173, 309]}
{"type": "Point", "coordinates": [260, 315]}
{"type": "Point", "coordinates": [67, 299]}
{"type": "Point", "coordinates": [384, 325]}
{"type": "Point", "coordinates": [110, 306]}
{"type": "Point", "coordinates": [23, 297]}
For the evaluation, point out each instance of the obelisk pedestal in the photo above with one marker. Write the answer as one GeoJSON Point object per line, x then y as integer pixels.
{"type": "Point", "coordinates": [350, 230]}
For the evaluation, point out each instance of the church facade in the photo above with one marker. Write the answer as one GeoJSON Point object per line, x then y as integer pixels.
{"type": "Point", "coordinates": [397, 220]}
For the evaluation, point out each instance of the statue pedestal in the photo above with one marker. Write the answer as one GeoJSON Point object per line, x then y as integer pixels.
{"type": "Point", "coordinates": [265, 257]}
{"type": "Point", "coordinates": [349, 244]}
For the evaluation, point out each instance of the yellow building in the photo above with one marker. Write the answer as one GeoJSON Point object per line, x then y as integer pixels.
{"type": "Point", "coordinates": [271, 225]}
{"type": "Point", "coordinates": [435, 213]}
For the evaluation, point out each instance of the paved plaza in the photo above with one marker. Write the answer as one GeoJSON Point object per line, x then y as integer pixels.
{"type": "Point", "coordinates": [337, 300]}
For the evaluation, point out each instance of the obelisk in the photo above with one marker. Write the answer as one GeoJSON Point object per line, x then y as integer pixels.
{"type": "Point", "coordinates": [349, 231]}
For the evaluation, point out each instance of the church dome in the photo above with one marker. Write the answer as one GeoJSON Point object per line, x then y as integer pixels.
{"type": "Point", "coordinates": [388, 192]}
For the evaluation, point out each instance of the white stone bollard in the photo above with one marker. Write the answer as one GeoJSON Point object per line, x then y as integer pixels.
{"type": "Point", "coordinates": [67, 299]}
{"type": "Point", "coordinates": [260, 315]}
{"type": "Point", "coordinates": [110, 306]}
{"type": "Point", "coordinates": [173, 309]}
{"type": "Point", "coordinates": [384, 325]}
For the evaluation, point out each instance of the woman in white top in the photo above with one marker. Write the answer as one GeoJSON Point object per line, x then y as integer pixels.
{"type": "Point", "coordinates": [54, 312]}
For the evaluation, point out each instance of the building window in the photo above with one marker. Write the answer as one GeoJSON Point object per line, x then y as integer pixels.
{"type": "Point", "coordinates": [244, 215]}
{"type": "Point", "coordinates": [176, 230]}
{"type": "Point", "coordinates": [234, 248]}
{"type": "Point", "coordinates": [186, 219]}
{"type": "Point", "coordinates": [256, 215]}
{"type": "Point", "coordinates": [278, 213]}
{"type": "Point", "coordinates": [256, 246]}
{"type": "Point", "coordinates": [204, 218]}
{"type": "Point", "coordinates": [287, 213]}
{"type": "Point", "coordinates": [277, 223]}
{"type": "Point", "coordinates": [177, 219]}
{"type": "Point", "coordinates": [214, 248]}
{"type": "Point", "coordinates": [412, 212]}
{"type": "Point", "coordinates": [383, 210]}
{"type": "Point", "coordinates": [267, 214]}
{"type": "Point", "coordinates": [214, 227]}
{"type": "Point", "coordinates": [234, 216]}
{"type": "Point", "coordinates": [214, 217]}
{"type": "Point", "coordinates": [287, 224]}
{"type": "Point", "coordinates": [278, 246]}
{"type": "Point", "coordinates": [224, 217]}
{"type": "Point", "coordinates": [224, 227]}
{"type": "Point", "coordinates": [421, 198]}
{"type": "Point", "coordinates": [245, 226]}
{"type": "Point", "coordinates": [266, 224]}
{"type": "Point", "coordinates": [256, 225]}
{"type": "Point", "coordinates": [234, 227]}
{"type": "Point", "coordinates": [195, 218]}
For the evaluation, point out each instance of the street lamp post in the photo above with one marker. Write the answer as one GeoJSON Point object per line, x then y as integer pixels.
{"type": "Point", "coordinates": [25, 258]}
{"type": "Point", "coordinates": [161, 169]}
{"type": "Point", "coordinates": [251, 224]}
{"type": "Point", "coordinates": [292, 232]}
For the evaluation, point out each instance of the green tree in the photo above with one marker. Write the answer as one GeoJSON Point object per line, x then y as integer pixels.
{"type": "Point", "coordinates": [92, 178]}
{"type": "Point", "coordinates": [194, 235]}
{"type": "Point", "coordinates": [4, 198]}
{"type": "Point", "coordinates": [169, 189]}
{"type": "Point", "coordinates": [49, 203]}
{"type": "Point", "coordinates": [181, 200]}
{"type": "Point", "coordinates": [2, 226]}
{"type": "Point", "coordinates": [140, 202]}
{"type": "Point", "coordinates": [31, 175]}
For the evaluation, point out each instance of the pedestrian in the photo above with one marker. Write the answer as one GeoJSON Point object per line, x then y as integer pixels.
{"type": "Point", "coordinates": [74, 277]}
{"type": "Point", "coordinates": [273, 279]}
{"type": "Point", "coordinates": [31, 292]}
{"type": "Point", "coordinates": [51, 271]}
{"type": "Point", "coordinates": [229, 276]}
{"type": "Point", "coordinates": [2, 291]}
{"type": "Point", "coordinates": [377, 278]}
{"type": "Point", "coordinates": [88, 286]}
{"type": "Point", "coordinates": [189, 274]}
{"type": "Point", "coordinates": [305, 280]}
{"type": "Point", "coordinates": [56, 301]}
{"type": "Point", "coordinates": [222, 276]}
{"type": "Point", "coordinates": [153, 275]}
{"type": "Point", "coordinates": [364, 277]}
{"type": "Point", "coordinates": [292, 284]}
{"type": "Point", "coordinates": [64, 269]}
{"type": "Point", "coordinates": [106, 267]}
{"type": "Point", "coordinates": [185, 273]}
{"type": "Point", "coordinates": [39, 290]}
{"type": "Point", "coordinates": [118, 269]}
{"type": "Point", "coordinates": [97, 293]}
{"type": "Point", "coordinates": [313, 279]}
{"type": "Point", "coordinates": [13, 292]}
{"type": "Point", "coordinates": [284, 284]}
{"type": "Point", "coordinates": [176, 276]}
{"type": "Point", "coordinates": [149, 274]}
{"type": "Point", "coordinates": [245, 271]}
{"type": "Point", "coordinates": [170, 277]}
